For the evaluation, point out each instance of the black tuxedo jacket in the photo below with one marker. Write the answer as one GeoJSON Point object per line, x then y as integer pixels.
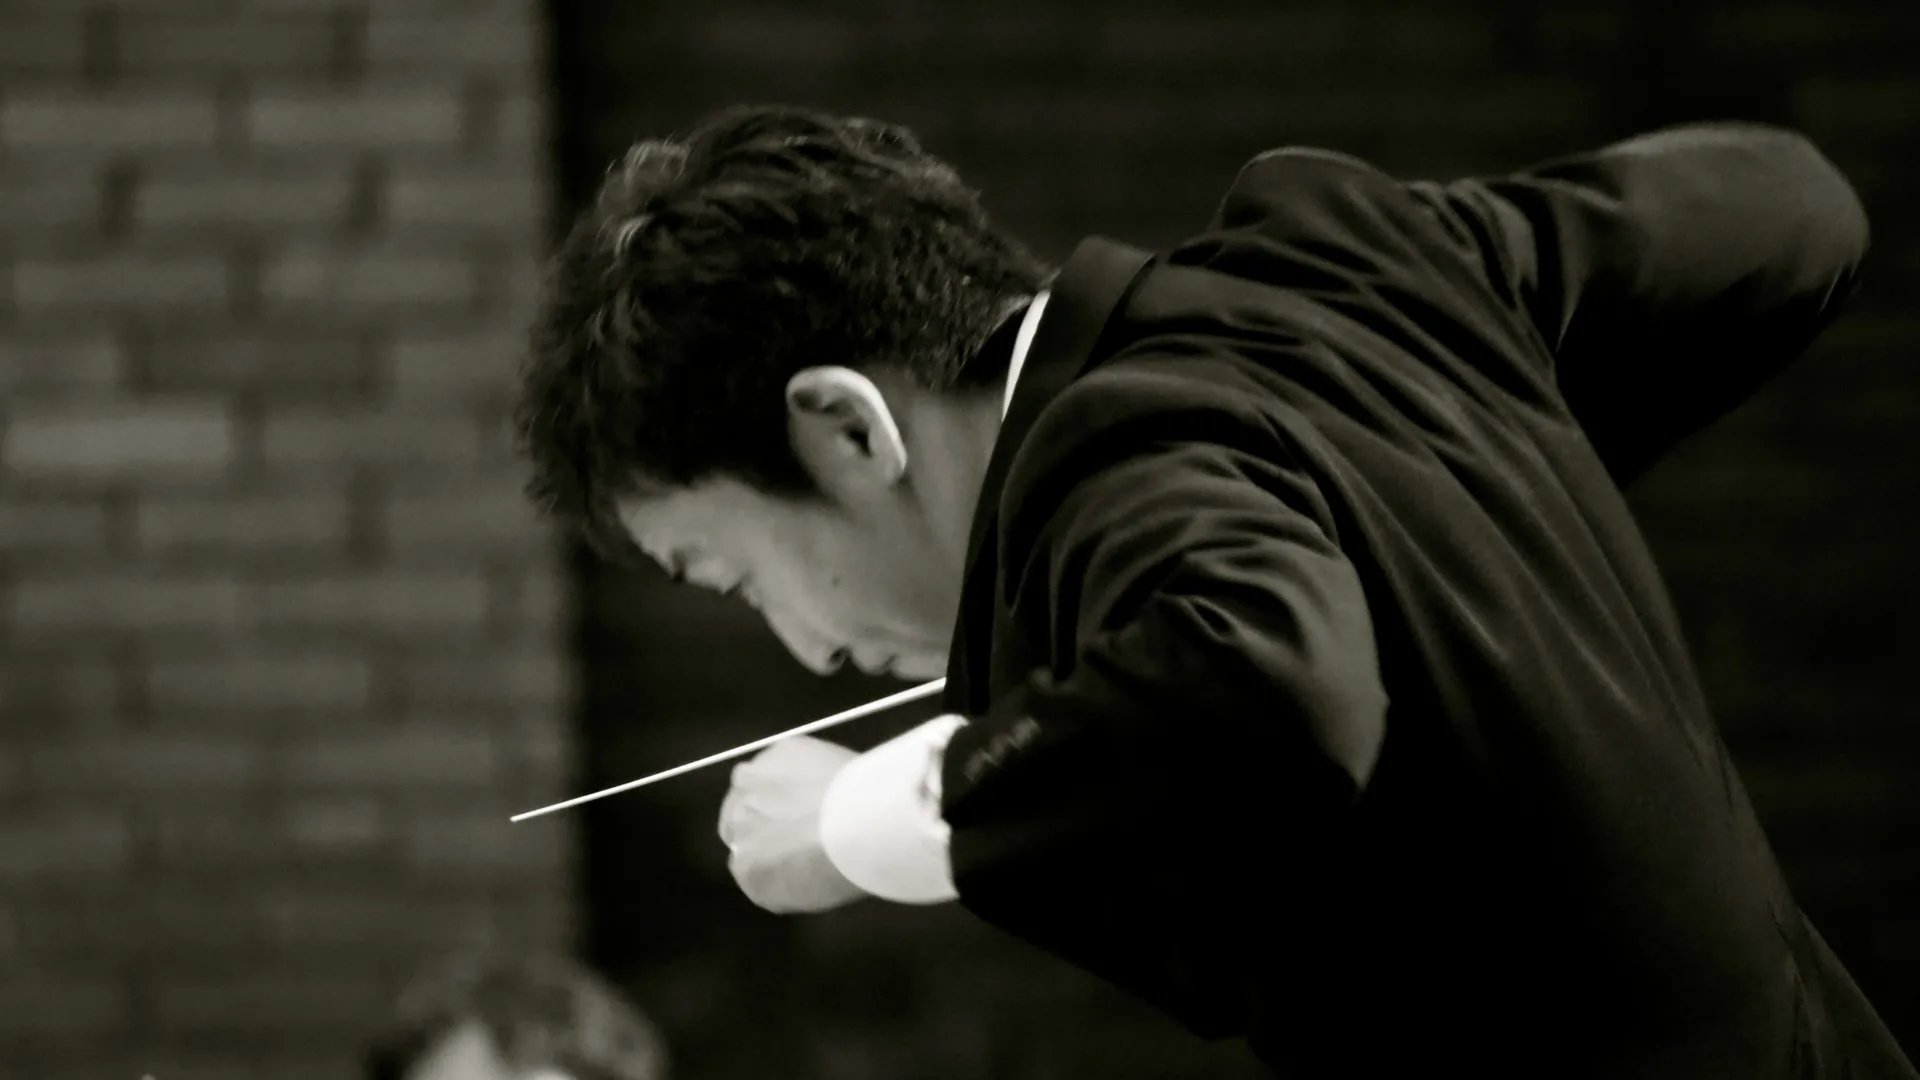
{"type": "Point", "coordinates": [1324, 691]}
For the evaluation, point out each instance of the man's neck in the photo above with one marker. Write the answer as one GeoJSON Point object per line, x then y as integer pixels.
{"type": "Point", "coordinates": [952, 436]}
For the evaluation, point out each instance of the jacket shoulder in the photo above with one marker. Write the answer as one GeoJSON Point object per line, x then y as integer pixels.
{"type": "Point", "coordinates": [1290, 172]}
{"type": "Point", "coordinates": [1310, 195]}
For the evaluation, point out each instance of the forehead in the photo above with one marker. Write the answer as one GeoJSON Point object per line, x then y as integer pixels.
{"type": "Point", "coordinates": [694, 517]}
{"type": "Point", "coordinates": [466, 1053]}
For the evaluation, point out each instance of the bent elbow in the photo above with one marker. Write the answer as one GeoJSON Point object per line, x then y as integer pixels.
{"type": "Point", "coordinates": [1792, 198]}
{"type": "Point", "coordinates": [1834, 230]}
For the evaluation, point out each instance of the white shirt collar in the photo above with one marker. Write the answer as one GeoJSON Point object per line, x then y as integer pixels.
{"type": "Point", "coordinates": [1024, 341]}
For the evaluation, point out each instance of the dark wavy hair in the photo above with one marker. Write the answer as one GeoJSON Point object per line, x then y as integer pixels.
{"type": "Point", "coordinates": [714, 265]}
{"type": "Point", "coordinates": [539, 1011]}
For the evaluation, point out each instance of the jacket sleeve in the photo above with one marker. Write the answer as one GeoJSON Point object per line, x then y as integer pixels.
{"type": "Point", "coordinates": [1669, 275]}
{"type": "Point", "coordinates": [1223, 695]}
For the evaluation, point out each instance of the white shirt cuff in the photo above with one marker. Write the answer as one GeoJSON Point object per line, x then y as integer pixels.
{"type": "Point", "coordinates": [880, 822]}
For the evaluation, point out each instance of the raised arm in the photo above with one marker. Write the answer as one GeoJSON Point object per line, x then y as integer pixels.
{"type": "Point", "coordinates": [1671, 274]}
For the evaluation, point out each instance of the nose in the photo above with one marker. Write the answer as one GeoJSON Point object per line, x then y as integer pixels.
{"type": "Point", "coordinates": [822, 664]}
{"type": "Point", "coordinates": [805, 646]}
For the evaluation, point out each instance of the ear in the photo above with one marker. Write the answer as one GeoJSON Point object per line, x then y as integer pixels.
{"type": "Point", "coordinates": [843, 430]}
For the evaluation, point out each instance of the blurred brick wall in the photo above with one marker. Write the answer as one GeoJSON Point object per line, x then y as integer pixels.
{"type": "Point", "coordinates": [1788, 532]}
{"type": "Point", "coordinates": [280, 648]}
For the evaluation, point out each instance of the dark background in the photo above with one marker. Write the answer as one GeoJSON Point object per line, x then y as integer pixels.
{"type": "Point", "coordinates": [1786, 532]}
{"type": "Point", "coordinates": [281, 646]}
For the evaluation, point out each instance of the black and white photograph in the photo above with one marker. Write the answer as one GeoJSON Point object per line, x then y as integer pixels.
{"type": "Point", "coordinates": [890, 540]}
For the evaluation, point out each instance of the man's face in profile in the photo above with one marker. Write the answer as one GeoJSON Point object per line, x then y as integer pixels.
{"type": "Point", "coordinates": [469, 1053]}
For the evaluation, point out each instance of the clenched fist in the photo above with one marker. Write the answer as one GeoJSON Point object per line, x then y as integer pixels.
{"type": "Point", "coordinates": [770, 823]}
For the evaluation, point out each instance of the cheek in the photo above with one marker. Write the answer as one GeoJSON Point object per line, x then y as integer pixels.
{"type": "Point", "coordinates": [833, 584]}
{"type": "Point", "coordinates": [839, 578]}
{"type": "Point", "coordinates": [880, 589]}
{"type": "Point", "coordinates": [796, 574]}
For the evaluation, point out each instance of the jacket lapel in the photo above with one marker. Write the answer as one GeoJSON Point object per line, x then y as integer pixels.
{"type": "Point", "coordinates": [1082, 301]}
